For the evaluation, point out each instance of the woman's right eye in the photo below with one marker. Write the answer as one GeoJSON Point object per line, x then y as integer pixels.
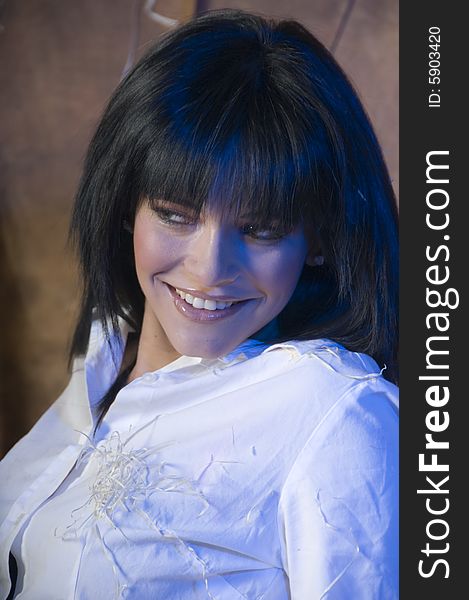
{"type": "Point", "coordinates": [171, 217]}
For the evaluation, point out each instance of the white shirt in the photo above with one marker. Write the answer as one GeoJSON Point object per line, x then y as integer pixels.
{"type": "Point", "coordinates": [270, 473]}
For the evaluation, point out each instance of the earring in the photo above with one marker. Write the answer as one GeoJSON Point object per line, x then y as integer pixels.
{"type": "Point", "coordinates": [318, 261]}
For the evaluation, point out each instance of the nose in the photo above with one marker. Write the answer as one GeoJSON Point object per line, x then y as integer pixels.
{"type": "Point", "coordinates": [214, 256]}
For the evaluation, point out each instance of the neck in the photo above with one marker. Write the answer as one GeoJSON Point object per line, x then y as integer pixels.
{"type": "Point", "coordinates": [154, 349]}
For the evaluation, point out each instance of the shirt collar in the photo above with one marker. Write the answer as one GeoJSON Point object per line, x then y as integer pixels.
{"type": "Point", "coordinates": [244, 351]}
{"type": "Point", "coordinates": [103, 360]}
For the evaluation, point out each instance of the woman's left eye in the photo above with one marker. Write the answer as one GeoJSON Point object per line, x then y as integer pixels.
{"type": "Point", "coordinates": [258, 233]}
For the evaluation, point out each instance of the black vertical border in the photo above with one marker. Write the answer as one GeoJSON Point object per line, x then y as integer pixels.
{"type": "Point", "coordinates": [424, 129]}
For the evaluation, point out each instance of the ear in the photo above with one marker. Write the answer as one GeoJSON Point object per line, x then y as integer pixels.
{"type": "Point", "coordinates": [314, 258]}
{"type": "Point", "coordinates": [127, 226]}
{"type": "Point", "coordinates": [315, 261]}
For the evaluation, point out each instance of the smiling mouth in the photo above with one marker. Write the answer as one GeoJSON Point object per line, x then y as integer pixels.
{"type": "Point", "coordinates": [203, 310]}
{"type": "Point", "coordinates": [202, 303]}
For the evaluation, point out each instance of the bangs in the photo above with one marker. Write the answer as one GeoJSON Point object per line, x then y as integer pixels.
{"type": "Point", "coordinates": [233, 145]}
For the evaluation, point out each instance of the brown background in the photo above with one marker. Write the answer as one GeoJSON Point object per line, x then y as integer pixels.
{"type": "Point", "coordinates": [59, 62]}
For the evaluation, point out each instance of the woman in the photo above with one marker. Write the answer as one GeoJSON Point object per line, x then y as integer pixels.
{"type": "Point", "coordinates": [230, 427]}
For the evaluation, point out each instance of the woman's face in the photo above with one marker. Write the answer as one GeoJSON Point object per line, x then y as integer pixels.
{"type": "Point", "coordinates": [209, 283]}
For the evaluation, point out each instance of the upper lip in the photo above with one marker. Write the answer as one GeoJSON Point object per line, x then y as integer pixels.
{"type": "Point", "coordinates": [198, 294]}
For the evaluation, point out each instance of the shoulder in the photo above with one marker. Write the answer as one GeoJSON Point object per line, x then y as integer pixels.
{"type": "Point", "coordinates": [357, 434]}
{"type": "Point", "coordinates": [338, 506]}
{"type": "Point", "coordinates": [326, 367]}
{"type": "Point", "coordinates": [339, 500]}
{"type": "Point", "coordinates": [330, 399]}
{"type": "Point", "coordinates": [61, 426]}
{"type": "Point", "coordinates": [67, 413]}
{"type": "Point", "coordinates": [327, 354]}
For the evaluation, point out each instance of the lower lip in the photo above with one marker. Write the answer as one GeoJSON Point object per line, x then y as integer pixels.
{"type": "Point", "coordinates": [202, 314]}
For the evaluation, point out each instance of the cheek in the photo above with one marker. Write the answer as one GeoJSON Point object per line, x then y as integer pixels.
{"type": "Point", "coordinates": [154, 250]}
{"type": "Point", "coordinates": [278, 272]}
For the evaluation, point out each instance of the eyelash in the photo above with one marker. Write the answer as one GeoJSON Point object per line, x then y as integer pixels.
{"type": "Point", "coordinates": [167, 217]}
{"type": "Point", "coordinates": [252, 231]}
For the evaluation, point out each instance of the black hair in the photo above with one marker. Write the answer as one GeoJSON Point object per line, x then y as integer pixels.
{"type": "Point", "coordinates": [236, 111]}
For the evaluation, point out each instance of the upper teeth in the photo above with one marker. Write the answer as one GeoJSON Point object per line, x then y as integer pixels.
{"type": "Point", "coordinates": [202, 303]}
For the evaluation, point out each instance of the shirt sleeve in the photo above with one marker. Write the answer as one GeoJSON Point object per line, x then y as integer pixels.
{"type": "Point", "coordinates": [338, 511]}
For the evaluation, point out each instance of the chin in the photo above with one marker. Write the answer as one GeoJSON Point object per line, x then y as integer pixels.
{"type": "Point", "coordinates": [204, 349]}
